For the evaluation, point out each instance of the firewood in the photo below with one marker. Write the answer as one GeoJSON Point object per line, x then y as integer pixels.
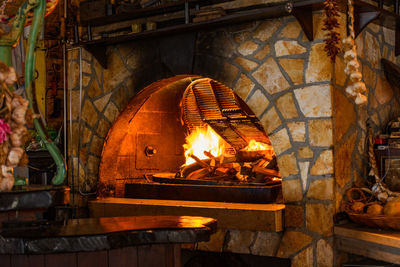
{"type": "Point", "coordinates": [208, 154]}
{"type": "Point", "coordinates": [198, 174]}
{"type": "Point", "coordinates": [187, 169]}
{"type": "Point", "coordinates": [199, 161]}
{"type": "Point", "coordinates": [267, 172]}
{"type": "Point", "coordinates": [251, 156]}
{"type": "Point", "coordinates": [221, 171]}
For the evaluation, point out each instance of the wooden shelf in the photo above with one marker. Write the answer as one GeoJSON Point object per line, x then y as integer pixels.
{"type": "Point", "coordinates": [302, 10]}
{"type": "Point", "coordinates": [372, 243]}
{"type": "Point", "coordinates": [149, 11]}
{"type": "Point", "coordinates": [259, 217]}
{"type": "Point", "coordinates": [364, 14]}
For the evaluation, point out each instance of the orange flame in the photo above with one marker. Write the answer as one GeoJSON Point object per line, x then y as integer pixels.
{"type": "Point", "coordinates": [201, 140]}
{"type": "Point", "coordinates": [256, 146]}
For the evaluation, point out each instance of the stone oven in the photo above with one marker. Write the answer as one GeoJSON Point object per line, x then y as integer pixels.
{"type": "Point", "coordinates": [298, 95]}
{"type": "Point", "coordinates": [136, 151]}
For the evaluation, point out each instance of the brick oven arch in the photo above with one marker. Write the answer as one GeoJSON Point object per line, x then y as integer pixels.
{"type": "Point", "coordinates": [120, 162]}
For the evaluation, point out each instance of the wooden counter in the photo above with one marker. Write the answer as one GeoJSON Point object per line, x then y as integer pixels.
{"type": "Point", "coordinates": [372, 243]}
{"type": "Point", "coordinates": [114, 241]}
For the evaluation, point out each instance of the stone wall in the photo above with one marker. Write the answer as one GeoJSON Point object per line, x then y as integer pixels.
{"type": "Point", "coordinates": [373, 43]}
{"type": "Point", "coordinates": [282, 76]}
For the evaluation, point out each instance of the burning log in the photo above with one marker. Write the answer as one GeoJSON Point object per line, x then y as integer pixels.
{"type": "Point", "coordinates": [267, 172]}
{"type": "Point", "coordinates": [199, 174]}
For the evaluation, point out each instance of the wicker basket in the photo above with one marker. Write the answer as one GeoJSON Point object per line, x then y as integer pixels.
{"type": "Point", "coordinates": [380, 221]}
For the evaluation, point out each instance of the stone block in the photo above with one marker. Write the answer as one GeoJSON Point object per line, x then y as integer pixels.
{"type": "Point", "coordinates": [291, 190]}
{"type": "Point", "coordinates": [318, 22]}
{"type": "Point", "coordinates": [320, 132]}
{"type": "Point", "coordinates": [304, 167]}
{"type": "Point", "coordinates": [266, 29]}
{"type": "Point", "coordinates": [243, 86]}
{"type": "Point", "coordinates": [96, 146]}
{"type": "Point", "coordinates": [239, 241]}
{"type": "Point", "coordinates": [286, 106]}
{"type": "Point", "coordinates": [265, 244]}
{"type": "Point", "coordinates": [247, 48]}
{"type": "Point", "coordinates": [360, 44]}
{"type": "Point", "coordinates": [93, 164]}
{"type": "Point", "coordinates": [245, 64]}
{"type": "Point", "coordinates": [383, 91]}
{"type": "Point", "coordinates": [89, 114]}
{"type": "Point", "coordinates": [292, 242]}
{"type": "Point", "coordinates": [297, 131]}
{"type": "Point", "coordinates": [280, 141]}
{"type": "Point", "coordinates": [319, 218]}
{"type": "Point", "coordinates": [324, 254]}
{"type": "Point", "coordinates": [294, 216]}
{"type": "Point", "coordinates": [102, 102]}
{"type": "Point", "coordinates": [288, 165]}
{"type": "Point", "coordinates": [344, 153]}
{"type": "Point", "coordinates": [285, 48]}
{"type": "Point", "coordinates": [369, 76]}
{"type": "Point", "coordinates": [103, 128]}
{"type": "Point", "coordinates": [294, 68]}
{"type": "Point", "coordinates": [304, 258]}
{"type": "Point", "coordinates": [291, 30]}
{"type": "Point", "coordinates": [86, 80]}
{"type": "Point", "coordinates": [340, 76]}
{"type": "Point", "coordinates": [73, 79]}
{"type": "Point", "coordinates": [120, 97]}
{"type": "Point", "coordinates": [111, 111]}
{"type": "Point", "coordinates": [115, 73]}
{"type": "Point", "coordinates": [345, 114]}
{"type": "Point", "coordinates": [94, 90]}
{"type": "Point", "coordinates": [321, 189]}
{"type": "Point", "coordinates": [315, 101]}
{"type": "Point", "coordinates": [260, 55]}
{"type": "Point", "coordinates": [75, 103]}
{"type": "Point", "coordinates": [372, 50]}
{"type": "Point", "coordinates": [241, 36]}
{"type": "Point", "coordinates": [305, 153]}
{"type": "Point", "coordinates": [319, 65]}
{"type": "Point", "coordinates": [324, 163]}
{"type": "Point", "coordinates": [258, 102]}
{"type": "Point", "coordinates": [86, 134]}
{"type": "Point", "coordinates": [270, 121]}
{"type": "Point", "coordinates": [216, 242]}
{"type": "Point", "coordinates": [270, 77]}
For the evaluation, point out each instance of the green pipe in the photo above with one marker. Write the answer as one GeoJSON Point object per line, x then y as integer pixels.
{"type": "Point", "coordinates": [5, 54]}
{"type": "Point", "coordinates": [38, 17]}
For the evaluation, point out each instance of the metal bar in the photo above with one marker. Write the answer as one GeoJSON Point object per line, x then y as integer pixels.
{"type": "Point", "coordinates": [187, 13]}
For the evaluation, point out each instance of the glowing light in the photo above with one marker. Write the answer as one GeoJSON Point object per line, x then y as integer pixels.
{"type": "Point", "coordinates": [201, 140]}
{"type": "Point", "coordinates": [256, 146]}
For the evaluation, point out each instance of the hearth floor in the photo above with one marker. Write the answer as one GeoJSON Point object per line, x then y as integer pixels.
{"type": "Point", "coordinates": [243, 216]}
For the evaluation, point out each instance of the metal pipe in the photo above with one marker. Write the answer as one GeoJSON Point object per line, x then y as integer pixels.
{"type": "Point", "coordinates": [38, 18]}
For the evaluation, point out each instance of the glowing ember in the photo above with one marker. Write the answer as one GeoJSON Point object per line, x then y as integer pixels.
{"type": "Point", "coordinates": [256, 146]}
{"type": "Point", "coordinates": [201, 140]}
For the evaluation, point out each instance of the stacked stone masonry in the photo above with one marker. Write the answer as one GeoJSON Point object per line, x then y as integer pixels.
{"type": "Point", "coordinates": [297, 93]}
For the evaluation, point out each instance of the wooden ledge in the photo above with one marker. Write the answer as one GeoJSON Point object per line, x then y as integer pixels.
{"type": "Point", "coordinates": [372, 243]}
{"type": "Point", "coordinates": [257, 217]}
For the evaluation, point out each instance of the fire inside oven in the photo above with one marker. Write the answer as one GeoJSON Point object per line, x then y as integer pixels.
{"type": "Point", "coordinates": [190, 138]}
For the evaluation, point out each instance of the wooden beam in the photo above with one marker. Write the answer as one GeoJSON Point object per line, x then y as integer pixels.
{"type": "Point", "coordinates": [362, 18]}
{"type": "Point", "coordinates": [304, 16]}
{"type": "Point", "coordinates": [258, 217]}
